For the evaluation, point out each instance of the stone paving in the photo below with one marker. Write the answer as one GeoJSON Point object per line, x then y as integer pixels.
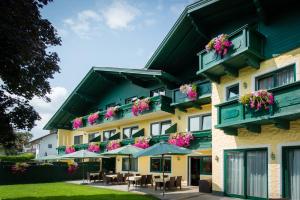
{"type": "Point", "coordinates": [187, 192]}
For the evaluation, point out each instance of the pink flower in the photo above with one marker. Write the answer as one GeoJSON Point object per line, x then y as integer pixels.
{"type": "Point", "coordinates": [140, 106]}
{"type": "Point", "coordinates": [111, 111]}
{"type": "Point", "coordinates": [94, 148]}
{"type": "Point", "coordinates": [70, 150]}
{"type": "Point", "coordinates": [181, 139]}
{"type": "Point", "coordinates": [189, 90]}
{"type": "Point", "coordinates": [93, 118]}
{"type": "Point", "coordinates": [135, 109]}
{"type": "Point", "coordinates": [220, 44]}
{"type": "Point", "coordinates": [142, 142]}
{"type": "Point", "coordinates": [77, 123]}
{"type": "Point", "coordinates": [113, 144]}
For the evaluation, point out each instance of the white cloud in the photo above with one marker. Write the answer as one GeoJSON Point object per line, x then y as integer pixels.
{"type": "Point", "coordinates": [84, 23]}
{"type": "Point", "coordinates": [120, 15]}
{"type": "Point", "coordinates": [47, 110]}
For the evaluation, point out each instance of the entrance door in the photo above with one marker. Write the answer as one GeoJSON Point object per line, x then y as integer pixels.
{"type": "Point", "coordinates": [291, 172]}
{"type": "Point", "coordinates": [246, 173]}
{"type": "Point", "coordinates": [109, 164]}
{"type": "Point", "coordinates": [195, 170]}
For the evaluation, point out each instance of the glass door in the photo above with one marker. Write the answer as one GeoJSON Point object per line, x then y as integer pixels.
{"type": "Point", "coordinates": [291, 172]}
{"type": "Point", "coordinates": [246, 173]}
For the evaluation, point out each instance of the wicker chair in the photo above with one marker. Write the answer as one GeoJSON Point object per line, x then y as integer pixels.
{"type": "Point", "coordinates": [178, 181]}
{"type": "Point", "coordinates": [143, 181]}
{"type": "Point", "coordinates": [149, 180]}
{"type": "Point", "coordinates": [171, 184]}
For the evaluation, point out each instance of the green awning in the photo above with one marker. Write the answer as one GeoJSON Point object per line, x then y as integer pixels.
{"type": "Point", "coordinates": [125, 150]}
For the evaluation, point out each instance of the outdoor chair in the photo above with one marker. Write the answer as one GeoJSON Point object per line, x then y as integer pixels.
{"type": "Point", "coordinates": [120, 178]}
{"type": "Point", "coordinates": [178, 182]}
{"type": "Point", "coordinates": [166, 176]}
{"type": "Point", "coordinates": [91, 176]}
{"type": "Point", "coordinates": [143, 181]}
{"type": "Point", "coordinates": [157, 184]}
{"type": "Point", "coordinates": [171, 184]}
{"type": "Point", "coordinates": [149, 180]}
{"type": "Point", "coordinates": [107, 180]}
{"type": "Point", "coordinates": [101, 174]}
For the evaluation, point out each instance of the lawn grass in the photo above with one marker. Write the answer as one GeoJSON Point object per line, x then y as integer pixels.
{"type": "Point", "coordinates": [64, 191]}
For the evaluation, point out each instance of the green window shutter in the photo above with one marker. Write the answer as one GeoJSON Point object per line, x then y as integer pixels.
{"type": "Point", "coordinates": [115, 136]}
{"type": "Point", "coordinates": [141, 132]}
{"type": "Point", "coordinates": [171, 129]}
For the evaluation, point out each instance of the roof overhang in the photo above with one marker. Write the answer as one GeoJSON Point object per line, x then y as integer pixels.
{"type": "Point", "coordinates": [89, 91]}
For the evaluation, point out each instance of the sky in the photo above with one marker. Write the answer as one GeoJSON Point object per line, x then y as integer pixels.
{"type": "Point", "coordinates": [102, 33]}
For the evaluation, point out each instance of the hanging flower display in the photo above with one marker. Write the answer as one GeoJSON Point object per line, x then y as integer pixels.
{"type": "Point", "coordinates": [113, 144]}
{"type": "Point", "coordinates": [72, 168]}
{"type": "Point", "coordinates": [140, 106]}
{"type": "Point", "coordinates": [111, 111]}
{"type": "Point", "coordinates": [94, 148]}
{"type": "Point", "coordinates": [259, 100]}
{"type": "Point", "coordinates": [19, 168]}
{"type": "Point", "coordinates": [142, 142]}
{"type": "Point", "coordinates": [70, 150]}
{"type": "Point", "coordinates": [181, 139]}
{"type": "Point", "coordinates": [93, 118]}
{"type": "Point", "coordinates": [190, 90]}
{"type": "Point", "coordinates": [77, 123]}
{"type": "Point", "coordinates": [220, 44]}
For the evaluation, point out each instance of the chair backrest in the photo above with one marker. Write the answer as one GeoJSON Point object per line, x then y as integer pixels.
{"type": "Point", "coordinates": [143, 179]}
{"type": "Point", "coordinates": [178, 180]}
{"type": "Point", "coordinates": [172, 181]}
{"type": "Point", "coordinates": [157, 176]}
{"type": "Point", "coordinates": [137, 174]}
{"type": "Point", "coordinates": [166, 176]}
{"type": "Point", "coordinates": [149, 178]}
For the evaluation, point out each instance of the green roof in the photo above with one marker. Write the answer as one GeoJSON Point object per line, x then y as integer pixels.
{"type": "Point", "coordinates": [92, 87]}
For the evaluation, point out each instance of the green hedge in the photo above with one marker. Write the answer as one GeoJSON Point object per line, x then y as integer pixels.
{"type": "Point", "coordinates": [18, 158]}
{"type": "Point", "coordinates": [44, 173]}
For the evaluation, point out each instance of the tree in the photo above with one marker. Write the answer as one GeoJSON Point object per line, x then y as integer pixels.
{"type": "Point", "coordinates": [26, 64]}
{"type": "Point", "coordinates": [20, 141]}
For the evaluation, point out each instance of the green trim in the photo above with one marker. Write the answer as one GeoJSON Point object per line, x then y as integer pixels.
{"type": "Point", "coordinates": [285, 171]}
{"type": "Point", "coordinates": [244, 151]}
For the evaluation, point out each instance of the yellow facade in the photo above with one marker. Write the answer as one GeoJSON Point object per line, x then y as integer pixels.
{"type": "Point", "coordinates": [179, 163]}
{"type": "Point", "coordinates": [270, 137]}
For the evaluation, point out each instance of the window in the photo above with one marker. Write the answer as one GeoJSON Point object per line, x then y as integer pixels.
{"type": "Point", "coordinates": [133, 164]}
{"type": "Point", "coordinates": [93, 135]}
{"type": "Point", "coordinates": [246, 173]}
{"type": "Point", "coordinates": [157, 92]}
{"type": "Point", "coordinates": [108, 134]}
{"type": "Point", "coordinates": [128, 132]}
{"type": "Point", "coordinates": [78, 139]}
{"type": "Point", "coordinates": [277, 78]}
{"type": "Point", "coordinates": [49, 146]}
{"type": "Point", "coordinates": [206, 165]}
{"type": "Point", "coordinates": [156, 164]}
{"type": "Point", "coordinates": [232, 92]}
{"type": "Point", "coordinates": [200, 122]}
{"type": "Point", "coordinates": [159, 128]}
{"type": "Point", "coordinates": [130, 99]}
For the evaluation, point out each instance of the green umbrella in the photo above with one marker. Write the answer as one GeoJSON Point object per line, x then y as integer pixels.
{"type": "Point", "coordinates": [82, 154]}
{"type": "Point", "coordinates": [163, 148]}
{"type": "Point", "coordinates": [49, 157]}
{"type": "Point", "coordinates": [127, 150]}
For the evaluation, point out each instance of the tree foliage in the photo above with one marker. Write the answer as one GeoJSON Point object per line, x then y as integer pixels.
{"type": "Point", "coordinates": [26, 64]}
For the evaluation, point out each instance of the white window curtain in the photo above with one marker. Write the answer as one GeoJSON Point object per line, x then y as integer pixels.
{"type": "Point", "coordinates": [257, 162]}
{"type": "Point", "coordinates": [235, 173]}
{"type": "Point", "coordinates": [294, 169]}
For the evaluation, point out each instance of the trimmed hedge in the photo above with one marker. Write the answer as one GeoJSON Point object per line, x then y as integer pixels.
{"type": "Point", "coordinates": [44, 173]}
{"type": "Point", "coordinates": [18, 158]}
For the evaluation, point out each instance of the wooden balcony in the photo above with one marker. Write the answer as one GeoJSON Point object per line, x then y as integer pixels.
{"type": "Point", "coordinates": [247, 50]}
{"type": "Point", "coordinates": [233, 115]}
{"type": "Point", "coordinates": [158, 105]}
{"type": "Point", "coordinates": [181, 101]}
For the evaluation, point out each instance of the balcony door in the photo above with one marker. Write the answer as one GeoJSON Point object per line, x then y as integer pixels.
{"type": "Point", "coordinates": [246, 173]}
{"type": "Point", "coordinates": [291, 172]}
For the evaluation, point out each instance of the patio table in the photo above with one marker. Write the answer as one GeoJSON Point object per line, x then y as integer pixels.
{"type": "Point", "coordinates": [160, 180]}
{"type": "Point", "coordinates": [112, 176]}
{"type": "Point", "coordinates": [133, 179]}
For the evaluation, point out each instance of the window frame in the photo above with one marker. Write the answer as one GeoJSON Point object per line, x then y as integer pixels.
{"type": "Point", "coordinates": [244, 151]}
{"type": "Point", "coordinates": [160, 165]}
{"type": "Point", "coordinates": [131, 128]}
{"type": "Point", "coordinates": [160, 127]}
{"type": "Point", "coordinates": [76, 136]}
{"type": "Point", "coordinates": [201, 165]}
{"type": "Point", "coordinates": [50, 146]}
{"type": "Point", "coordinates": [110, 134]}
{"type": "Point", "coordinates": [227, 91]}
{"type": "Point", "coordinates": [201, 116]}
{"type": "Point", "coordinates": [273, 75]}
{"type": "Point", "coordinates": [130, 166]}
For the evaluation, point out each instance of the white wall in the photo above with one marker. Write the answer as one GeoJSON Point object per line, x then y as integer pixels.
{"type": "Point", "coordinates": [42, 146]}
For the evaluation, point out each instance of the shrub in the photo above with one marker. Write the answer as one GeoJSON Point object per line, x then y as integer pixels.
{"type": "Point", "coordinates": [17, 158]}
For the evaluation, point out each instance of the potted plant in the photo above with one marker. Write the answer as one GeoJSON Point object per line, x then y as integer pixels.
{"type": "Point", "coordinates": [190, 90]}
{"type": "Point", "coordinates": [219, 44]}
{"type": "Point", "coordinates": [181, 139]}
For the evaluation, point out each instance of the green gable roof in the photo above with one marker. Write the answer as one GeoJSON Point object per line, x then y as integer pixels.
{"type": "Point", "coordinates": [90, 90]}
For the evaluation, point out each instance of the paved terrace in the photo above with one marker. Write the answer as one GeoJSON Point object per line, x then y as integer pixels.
{"type": "Point", "coordinates": [187, 192]}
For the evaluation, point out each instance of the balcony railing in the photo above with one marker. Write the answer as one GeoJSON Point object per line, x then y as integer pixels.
{"type": "Point", "coordinates": [181, 101]}
{"type": "Point", "coordinates": [157, 103]}
{"type": "Point", "coordinates": [247, 50]}
{"type": "Point", "coordinates": [233, 115]}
